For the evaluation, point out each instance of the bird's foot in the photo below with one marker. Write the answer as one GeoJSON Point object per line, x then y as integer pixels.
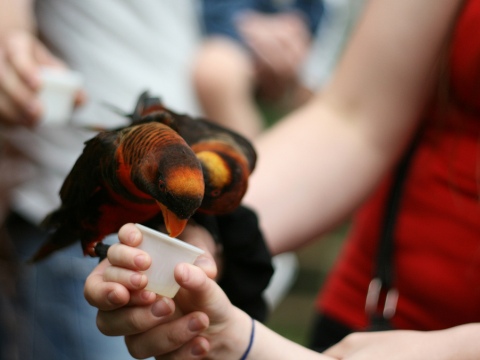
{"type": "Point", "coordinates": [100, 249]}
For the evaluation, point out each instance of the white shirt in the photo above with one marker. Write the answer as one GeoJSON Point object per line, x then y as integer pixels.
{"type": "Point", "coordinates": [121, 47]}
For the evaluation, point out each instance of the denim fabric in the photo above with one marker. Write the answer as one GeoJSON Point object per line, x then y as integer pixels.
{"type": "Point", "coordinates": [52, 319]}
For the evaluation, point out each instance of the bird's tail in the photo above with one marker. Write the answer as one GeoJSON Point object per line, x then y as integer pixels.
{"type": "Point", "coordinates": [61, 237]}
{"type": "Point", "coordinates": [146, 105]}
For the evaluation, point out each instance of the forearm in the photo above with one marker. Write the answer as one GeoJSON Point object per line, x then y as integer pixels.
{"type": "Point", "coordinates": [270, 345]}
{"type": "Point", "coordinates": [322, 168]}
{"type": "Point", "coordinates": [16, 15]}
{"type": "Point", "coordinates": [457, 343]}
{"type": "Point", "coordinates": [324, 159]}
{"type": "Point", "coordinates": [460, 342]}
{"type": "Point", "coordinates": [266, 344]}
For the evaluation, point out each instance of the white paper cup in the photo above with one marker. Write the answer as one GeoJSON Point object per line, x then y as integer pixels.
{"type": "Point", "coordinates": [166, 252]}
{"type": "Point", "coordinates": [57, 94]}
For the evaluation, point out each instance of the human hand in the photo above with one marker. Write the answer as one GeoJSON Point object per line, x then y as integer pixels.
{"type": "Point", "coordinates": [148, 321]}
{"type": "Point", "coordinates": [21, 56]}
{"type": "Point", "coordinates": [105, 292]}
{"type": "Point", "coordinates": [210, 324]}
{"type": "Point", "coordinates": [280, 44]}
{"type": "Point", "coordinates": [446, 344]}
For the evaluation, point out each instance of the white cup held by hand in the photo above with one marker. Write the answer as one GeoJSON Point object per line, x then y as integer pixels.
{"type": "Point", "coordinates": [166, 252]}
{"type": "Point", "coordinates": [57, 94]}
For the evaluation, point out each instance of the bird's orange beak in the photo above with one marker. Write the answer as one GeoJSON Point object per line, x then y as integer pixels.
{"type": "Point", "coordinates": [173, 224]}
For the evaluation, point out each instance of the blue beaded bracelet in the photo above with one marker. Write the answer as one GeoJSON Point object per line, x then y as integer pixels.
{"type": "Point", "coordinates": [252, 335]}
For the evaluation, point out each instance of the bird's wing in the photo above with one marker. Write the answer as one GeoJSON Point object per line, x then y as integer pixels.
{"type": "Point", "coordinates": [78, 189]}
{"type": "Point", "coordinates": [85, 177]}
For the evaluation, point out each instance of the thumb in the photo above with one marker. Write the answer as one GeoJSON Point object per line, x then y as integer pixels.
{"type": "Point", "coordinates": [199, 292]}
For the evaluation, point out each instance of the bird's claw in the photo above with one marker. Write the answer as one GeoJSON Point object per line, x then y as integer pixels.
{"type": "Point", "coordinates": [99, 249]}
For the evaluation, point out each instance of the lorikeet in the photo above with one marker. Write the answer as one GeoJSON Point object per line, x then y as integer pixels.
{"type": "Point", "coordinates": [164, 163]}
{"type": "Point", "coordinates": [227, 158]}
{"type": "Point", "coordinates": [131, 174]}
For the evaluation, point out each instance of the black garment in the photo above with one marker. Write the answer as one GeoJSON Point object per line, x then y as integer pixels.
{"type": "Point", "coordinates": [247, 263]}
{"type": "Point", "coordinates": [326, 332]}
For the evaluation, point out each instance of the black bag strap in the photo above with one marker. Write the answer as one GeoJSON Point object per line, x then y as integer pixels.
{"type": "Point", "coordinates": [383, 278]}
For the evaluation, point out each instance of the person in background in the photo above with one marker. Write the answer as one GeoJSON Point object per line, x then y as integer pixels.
{"type": "Point", "coordinates": [121, 48]}
{"type": "Point", "coordinates": [117, 64]}
{"type": "Point", "coordinates": [397, 90]}
{"type": "Point", "coordinates": [253, 50]}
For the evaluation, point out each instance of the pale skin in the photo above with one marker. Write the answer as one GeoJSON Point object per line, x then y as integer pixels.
{"type": "Point", "coordinates": [22, 55]}
{"type": "Point", "coordinates": [338, 147]}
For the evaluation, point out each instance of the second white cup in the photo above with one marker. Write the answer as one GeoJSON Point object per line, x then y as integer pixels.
{"type": "Point", "coordinates": [57, 94]}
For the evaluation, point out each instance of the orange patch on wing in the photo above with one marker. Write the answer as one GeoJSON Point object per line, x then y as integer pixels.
{"type": "Point", "coordinates": [217, 168]}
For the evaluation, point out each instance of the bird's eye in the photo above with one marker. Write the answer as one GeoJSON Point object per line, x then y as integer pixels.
{"type": "Point", "coordinates": [161, 185]}
{"type": "Point", "coordinates": [215, 193]}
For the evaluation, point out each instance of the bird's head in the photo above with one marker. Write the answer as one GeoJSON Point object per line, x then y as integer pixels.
{"type": "Point", "coordinates": [226, 174]}
{"type": "Point", "coordinates": [172, 175]}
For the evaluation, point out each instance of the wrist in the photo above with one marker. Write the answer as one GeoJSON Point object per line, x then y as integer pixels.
{"type": "Point", "coordinates": [250, 342]}
{"type": "Point", "coordinates": [235, 337]}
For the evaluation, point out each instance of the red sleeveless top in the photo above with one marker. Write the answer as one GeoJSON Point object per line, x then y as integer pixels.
{"type": "Point", "coordinates": [437, 239]}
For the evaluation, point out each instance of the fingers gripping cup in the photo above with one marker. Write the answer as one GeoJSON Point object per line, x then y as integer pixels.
{"type": "Point", "coordinates": [57, 94]}
{"type": "Point", "coordinates": [166, 252]}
